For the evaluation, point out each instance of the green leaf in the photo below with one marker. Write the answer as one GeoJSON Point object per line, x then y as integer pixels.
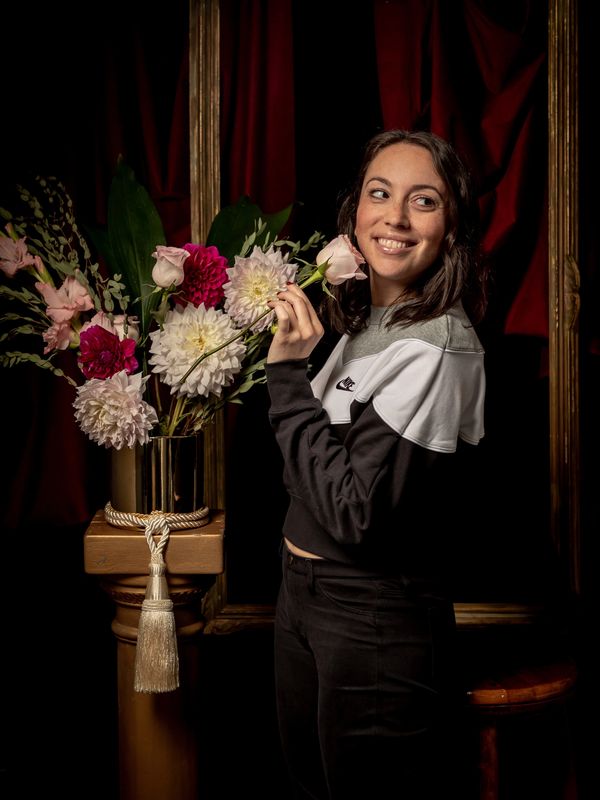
{"type": "Point", "coordinates": [134, 231]}
{"type": "Point", "coordinates": [20, 329]}
{"type": "Point", "coordinates": [101, 241]}
{"type": "Point", "coordinates": [233, 224]}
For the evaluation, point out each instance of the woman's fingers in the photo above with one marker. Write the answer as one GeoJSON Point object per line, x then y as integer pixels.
{"type": "Point", "coordinates": [305, 314]}
{"type": "Point", "coordinates": [298, 326]}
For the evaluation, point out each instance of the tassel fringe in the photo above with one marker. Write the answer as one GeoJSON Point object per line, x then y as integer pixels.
{"type": "Point", "coordinates": [156, 657]}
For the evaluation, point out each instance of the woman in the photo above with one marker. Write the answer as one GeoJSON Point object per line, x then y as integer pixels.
{"type": "Point", "coordinates": [373, 449]}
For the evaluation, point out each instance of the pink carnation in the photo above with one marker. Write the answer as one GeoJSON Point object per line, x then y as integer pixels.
{"type": "Point", "coordinates": [58, 336]}
{"type": "Point", "coordinates": [103, 354]}
{"type": "Point", "coordinates": [14, 255]}
{"type": "Point", "coordinates": [204, 276]}
{"type": "Point", "coordinates": [64, 303]}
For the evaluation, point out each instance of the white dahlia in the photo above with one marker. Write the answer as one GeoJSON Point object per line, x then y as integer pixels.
{"type": "Point", "coordinates": [252, 282]}
{"type": "Point", "coordinates": [188, 332]}
{"type": "Point", "coordinates": [111, 412]}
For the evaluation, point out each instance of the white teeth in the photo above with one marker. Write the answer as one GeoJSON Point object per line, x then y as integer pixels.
{"type": "Point", "coordinates": [392, 244]}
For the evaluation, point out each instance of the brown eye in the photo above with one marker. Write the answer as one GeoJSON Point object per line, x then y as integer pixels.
{"type": "Point", "coordinates": [378, 194]}
{"type": "Point", "coordinates": [425, 202]}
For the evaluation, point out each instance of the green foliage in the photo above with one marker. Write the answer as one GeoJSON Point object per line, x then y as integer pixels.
{"type": "Point", "coordinates": [235, 226]}
{"type": "Point", "coordinates": [45, 218]}
{"type": "Point", "coordinates": [134, 230]}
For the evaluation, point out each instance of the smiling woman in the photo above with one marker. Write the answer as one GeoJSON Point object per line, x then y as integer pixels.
{"type": "Point", "coordinates": [456, 73]}
{"type": "Point", "coordinates": [450, 72]}
{"type": "Point", "coordinates": [377, 471]}
{"type": "Point", "coordinates": [401, 219]}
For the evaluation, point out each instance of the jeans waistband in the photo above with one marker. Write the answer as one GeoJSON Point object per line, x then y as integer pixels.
{"type": "Point", "coordinates": [325, 567]}
{"type": "Point", "coordinates": [322, 567]}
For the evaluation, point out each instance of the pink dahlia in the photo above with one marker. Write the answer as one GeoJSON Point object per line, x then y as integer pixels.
{"type": "Point", "coordinates": [103, 354]}
{"type": "Point", "coordinates": [112, 412]}
{"type": "Point", "coordinates": [204, 274]}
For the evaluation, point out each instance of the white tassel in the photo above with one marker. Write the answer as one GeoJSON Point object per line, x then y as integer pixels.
{"type": "Point", "coordinates": [156, 658]}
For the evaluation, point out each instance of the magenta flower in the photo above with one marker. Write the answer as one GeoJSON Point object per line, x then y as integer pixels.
{"type": "Point", "coordinates": [204, 275]}
{"type": "Point", "coordinates": [103, 354]}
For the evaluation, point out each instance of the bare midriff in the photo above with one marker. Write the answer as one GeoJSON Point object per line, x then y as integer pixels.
{"type": "Point", "coordinates": [297, 551]}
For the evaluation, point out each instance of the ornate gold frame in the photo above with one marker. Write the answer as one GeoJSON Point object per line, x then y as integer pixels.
{"type": "Point", "coordinates": [564, 300]}
{"type": "Point", "coordinates": [564, 282]}
{"type": "Point", "coordinates": [205, 188]}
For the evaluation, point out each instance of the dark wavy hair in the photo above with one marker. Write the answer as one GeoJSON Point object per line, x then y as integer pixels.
{"type": "Point", "coordinates": [458, 273]}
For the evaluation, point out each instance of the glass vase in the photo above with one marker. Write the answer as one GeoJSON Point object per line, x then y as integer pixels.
{"type": "Point", "coordinates": [166, 474]}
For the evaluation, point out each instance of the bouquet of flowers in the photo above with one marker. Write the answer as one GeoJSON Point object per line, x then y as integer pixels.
{"type": "Point", "coordinates": [162, 336]}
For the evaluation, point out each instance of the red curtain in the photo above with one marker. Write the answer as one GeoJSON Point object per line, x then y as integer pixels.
{"type": "Point", "coordinates": [475, 73]}
{"type": "Point", "coordinates": [470, 75]}
{"type": "Point", "coordinates": [120, 90]}
{"type": "Point", "coordinates": [144, 116]}
{"type": "Point", "coordinates": [257, 102]}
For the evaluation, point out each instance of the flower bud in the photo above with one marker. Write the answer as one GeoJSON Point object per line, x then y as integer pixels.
{"type": "Point", "coordinates": [133, 330]}
{"type": "Point", "coordinates": [343, 261]}
{"type": "Point", "coordinates": [168, 270]}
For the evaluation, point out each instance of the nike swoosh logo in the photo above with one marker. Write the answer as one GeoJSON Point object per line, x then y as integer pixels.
{"type": "Point", "coordinates": [345, 384]}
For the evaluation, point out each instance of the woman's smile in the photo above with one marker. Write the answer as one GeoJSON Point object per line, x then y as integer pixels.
{"type": "Point", "coordinates": [395, 246]}
{"type": "Point", "coordinates": [400, 219]}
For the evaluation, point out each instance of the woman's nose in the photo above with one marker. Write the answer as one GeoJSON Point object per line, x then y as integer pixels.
{"type": "Point", "coordinates": [397, 215]}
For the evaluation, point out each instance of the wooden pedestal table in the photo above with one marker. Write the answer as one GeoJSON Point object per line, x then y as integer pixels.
{"type": "Point", "coordinates": [158, 736]}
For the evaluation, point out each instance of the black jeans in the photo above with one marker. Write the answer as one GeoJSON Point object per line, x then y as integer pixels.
{"type": "Point", "coordinates": [364, 683]}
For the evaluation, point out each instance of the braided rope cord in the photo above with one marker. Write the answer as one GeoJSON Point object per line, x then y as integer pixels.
{"type": "Point", "coordinates": [157, 523]}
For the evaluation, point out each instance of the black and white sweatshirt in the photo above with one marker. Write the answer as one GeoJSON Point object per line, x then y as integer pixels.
{"type": "Point", "coordinates": [371, 446]}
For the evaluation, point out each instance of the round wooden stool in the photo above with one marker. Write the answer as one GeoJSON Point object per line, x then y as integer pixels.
{"type": "Point", "coordinates": [511, 689]}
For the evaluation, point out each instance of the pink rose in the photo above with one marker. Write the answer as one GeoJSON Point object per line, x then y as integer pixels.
{"type": "Point", "coordinates": [133, 327]}
{"type": "Point", "coordinates": [64, 303]}
{"type": "Point", "coordinates": [103, 354]}
{"type": "Point", "coordinates": [205, 273]}
{"type": "Point", "coordinates": [14, 255]}
{"type": "Point", "coordinates": [343, 261]}
{"type": "Point", "coordinates": [168, 270]}
{"type": "Point", "coordinates": [116, 326]}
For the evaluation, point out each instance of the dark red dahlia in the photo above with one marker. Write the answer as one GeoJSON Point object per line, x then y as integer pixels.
{"type": "Point", "coordinates": [204, 274]}
{"type": "Point", "coordinates": [103, 354]}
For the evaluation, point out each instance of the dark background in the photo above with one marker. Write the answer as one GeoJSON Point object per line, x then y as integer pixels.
{"type": "Point", "coordinates": [59, 692]}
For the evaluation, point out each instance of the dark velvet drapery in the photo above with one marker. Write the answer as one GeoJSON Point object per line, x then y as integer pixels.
{"type": "Point", "coordinates": [299, 81]}
{"type": "Point", "coordinates": [475, 73]}
{"type": "Point", "coordinates": [297, 105]}
{"type": "Point", "coordinates": [120, 89]}
{"type": "Point", "coordinates": [304, 84]}
{"type": "Point", "coordinates": [257, 102]}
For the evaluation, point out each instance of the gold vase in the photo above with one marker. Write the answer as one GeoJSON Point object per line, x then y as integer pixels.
{"type": "Point", "coordinates": [166, 474]}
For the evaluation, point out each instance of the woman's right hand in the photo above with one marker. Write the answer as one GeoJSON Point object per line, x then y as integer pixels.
{"type": "Point", "coordinates": [298, 326]}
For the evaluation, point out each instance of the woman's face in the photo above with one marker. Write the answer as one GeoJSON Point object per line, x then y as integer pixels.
{"type": "Point", "coordinates": [401, 219]}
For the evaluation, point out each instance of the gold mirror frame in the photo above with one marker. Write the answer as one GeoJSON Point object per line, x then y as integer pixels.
{"type": "Point", "coordinates": [564, 299]}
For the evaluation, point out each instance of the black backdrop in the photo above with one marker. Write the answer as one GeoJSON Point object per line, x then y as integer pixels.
{"type": "Point", "coordinates": [59, 690]}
